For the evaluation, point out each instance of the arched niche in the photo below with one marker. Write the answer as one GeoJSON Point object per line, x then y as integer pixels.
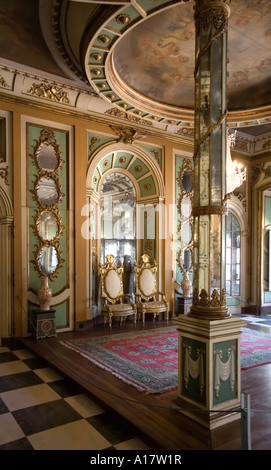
{"type": "Point", "coordinates": [236, 208]}
{"type": "Point", "coordinates": [146, 177]}
{"type": "Point", "coordinates": [6, 265]}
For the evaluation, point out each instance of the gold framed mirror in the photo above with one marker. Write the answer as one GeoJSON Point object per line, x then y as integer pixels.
{"type": "Point", "coordinates": [47, 225]}
{"type": "Point", "coordinates": [47, 260]}
{"type": "Point", "coordinates": [47, 191]}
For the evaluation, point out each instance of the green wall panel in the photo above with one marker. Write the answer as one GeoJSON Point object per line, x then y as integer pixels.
{"type": "Point", "coordinates": [60, 282]}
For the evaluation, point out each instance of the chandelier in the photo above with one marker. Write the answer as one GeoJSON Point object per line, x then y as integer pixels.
{"type": "Point", "coordinates": [235, 172]}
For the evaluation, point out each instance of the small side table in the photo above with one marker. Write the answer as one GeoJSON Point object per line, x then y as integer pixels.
{"type": "Point", "coordinates": [45, 323]}
{"type": "Point", "coordinates": [184, 304]}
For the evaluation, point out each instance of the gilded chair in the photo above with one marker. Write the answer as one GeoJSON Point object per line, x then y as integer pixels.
{"type": "Point", "coordinates": [146, 290]}
{"type": "Point", "coordinates": [113, 295]}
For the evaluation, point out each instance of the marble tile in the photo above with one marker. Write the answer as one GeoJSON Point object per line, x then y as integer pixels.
{"type": "Point", "coordinates": [13, 367]}
{"type": "Point", "coordinates": [38, 418]}
{"type": "Point", "coordinates": [28, 396]}
{"type": "Point", "coordinates": [23, 354]}
{"type": "Point", "coordinates": [7, 356]}
{"type": "Point", "coordinates": [20, 380]}
{"type": "Point", "coordinates": [84, 405]}
{"type": "Point", "coordinates": [47, 374]}
{"type": "Point", "coordinates": [9, 429]}
{"type": "Point", "coordinates": [79, 435]}
{"type": "Point", "coordinates": [115, 428]}
{"type": "Point", "coordinates": [132, 444]}
{"type": "Point", "coordinates": [64, 388]}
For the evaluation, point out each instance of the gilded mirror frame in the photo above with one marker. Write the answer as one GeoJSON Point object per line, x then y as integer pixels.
{"type": "Point", "coordinates": [55, 179]}
{"type": "Point", "coordinates": [37, 255]}
{"type": "Point", "coordinates": [59, 226]}
{"type": "Point", "coordinates": [186, 192]}
{"type": "Point", "coordinates": [47, 138]}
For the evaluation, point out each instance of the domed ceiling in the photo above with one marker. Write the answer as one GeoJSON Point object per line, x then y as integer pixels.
{"type": "Point", "coordinates": [148, 63]}
{"type": "Point", "coordinates": [138, 55]}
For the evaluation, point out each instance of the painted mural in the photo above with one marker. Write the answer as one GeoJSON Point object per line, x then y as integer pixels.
{"type": "Point", "coordinates": [156, 58]}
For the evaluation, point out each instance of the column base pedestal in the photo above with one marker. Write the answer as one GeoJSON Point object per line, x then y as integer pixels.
{"type": "Point", "coordinates": [209, 385]}
{"type": "Point", "coordinates": [209, 419]}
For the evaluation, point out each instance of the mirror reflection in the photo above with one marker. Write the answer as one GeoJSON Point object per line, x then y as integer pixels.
{"type": "Point", "coordinates": [186, 233]}
{"type": "Point", "coordinates": [187, 181]}
{"type": "Point", "coordinates": [186, 206]}
{"type": "Point", "coordinates": [186, 259]}
{"type": "Point", "coordinates": [47, 192]}
{"type": "Point", "coordinates": [48, 226]}
{"type": "Point", "coordinates": [48, 260]}
{"type": "Point", "coordinates": [47, 159]}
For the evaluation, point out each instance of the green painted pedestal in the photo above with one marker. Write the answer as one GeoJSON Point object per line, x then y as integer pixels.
{"type": "Point", "coordinates": [209, 369]}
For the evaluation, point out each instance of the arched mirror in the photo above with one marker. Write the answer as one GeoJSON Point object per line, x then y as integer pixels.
{"type": "Point", "coordinates": [47, 191]}
{"type": "Point", "coordinates": [267, 259]}
{"type": "Point", "coordinates": [118, 199]}
{"type": "Point", "coordinates": [233, 256]}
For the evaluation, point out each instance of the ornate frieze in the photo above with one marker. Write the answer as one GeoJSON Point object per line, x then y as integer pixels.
{"type": "Point", "coordinates": [49, 92]}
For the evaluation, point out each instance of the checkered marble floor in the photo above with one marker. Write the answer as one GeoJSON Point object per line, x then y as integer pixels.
{"type": "Point", "coordinates": [41, 410]}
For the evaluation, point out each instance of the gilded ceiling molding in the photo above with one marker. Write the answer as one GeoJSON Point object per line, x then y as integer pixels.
{"type": "Point", "coordinates": [123, 115]}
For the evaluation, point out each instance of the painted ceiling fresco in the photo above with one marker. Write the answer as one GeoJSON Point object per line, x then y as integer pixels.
{"type": "Point", "coordinates": [156, 58]}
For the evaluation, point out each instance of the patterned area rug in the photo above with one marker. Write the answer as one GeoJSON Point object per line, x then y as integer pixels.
{"type": "Point", "coordinates": [148, 360]}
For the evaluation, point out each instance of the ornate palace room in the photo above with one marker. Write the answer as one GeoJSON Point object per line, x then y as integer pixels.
{"type": "Point", "coordinates": [135, 221]}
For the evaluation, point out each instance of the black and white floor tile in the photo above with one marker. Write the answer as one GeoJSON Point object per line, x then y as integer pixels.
{"type": "Point", "coordinates": [40, 410]}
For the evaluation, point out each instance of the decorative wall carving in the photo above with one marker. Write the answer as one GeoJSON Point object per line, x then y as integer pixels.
{"type": "Point", "coordinates": [49, 92]}
{"type": "Point", "coordinates": [128, 135]}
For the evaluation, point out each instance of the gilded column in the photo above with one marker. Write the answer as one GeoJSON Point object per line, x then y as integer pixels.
{"type": "Point", "coordinates": [211, 23]}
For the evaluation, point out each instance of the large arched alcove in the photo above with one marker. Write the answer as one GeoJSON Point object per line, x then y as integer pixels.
{"type": "Point", "coordinates": [140, 171]}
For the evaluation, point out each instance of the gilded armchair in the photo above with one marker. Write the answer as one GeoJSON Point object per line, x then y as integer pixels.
{"type": "Point", "coordinates": [146, 290]}
{"type": "Point", "coordinates": [113, 295]}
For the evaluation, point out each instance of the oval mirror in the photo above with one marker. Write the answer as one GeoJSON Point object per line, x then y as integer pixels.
{"type": "Point", "coordinates": [48, 225]}
{"type": "Point", "coordinates": [48, 259]}
{"type": "Point", "coordinates": [186, 259]}
{"type": "Point", "coordinates": [186, 233]}
{"type": "Point", "coordinates": [187, 181]}
{"type": "Point", "coordinates": [47, 158]}
{"type": "Point", "coordinates": [186, 206]}
{"type": "Point", "coordinates": [47, 192]}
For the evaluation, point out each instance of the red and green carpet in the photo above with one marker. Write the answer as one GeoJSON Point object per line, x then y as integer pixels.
{"type": "Point", "coordinates": [148, 360]}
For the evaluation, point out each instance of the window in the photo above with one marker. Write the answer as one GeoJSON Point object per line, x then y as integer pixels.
{"type": "Point", "coordinates": [233, 256]}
